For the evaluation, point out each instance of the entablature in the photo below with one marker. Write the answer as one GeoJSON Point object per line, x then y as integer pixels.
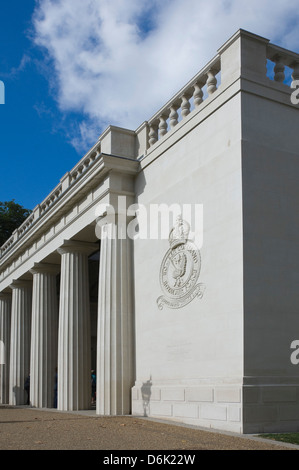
{"type": "Point", "coordinates": [73, 210]}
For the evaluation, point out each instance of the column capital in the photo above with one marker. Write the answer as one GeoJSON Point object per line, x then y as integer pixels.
{"type": "Point", "coordinates": [73, 246]}
{"type": "Point", "coordinates": [45, 268]}
{"type": "Point", "coordinates": [17, 283]}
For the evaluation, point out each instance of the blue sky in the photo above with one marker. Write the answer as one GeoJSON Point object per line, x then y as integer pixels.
{"type": "Point", "coordinates": [72, 67]}
{"type": "Point", "coordinates": [33, 149]}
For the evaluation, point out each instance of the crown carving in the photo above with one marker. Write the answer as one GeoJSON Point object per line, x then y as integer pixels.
{"type": "Point", "coordinates": [180, 233]}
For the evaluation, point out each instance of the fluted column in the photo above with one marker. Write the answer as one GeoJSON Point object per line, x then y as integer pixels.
{"type": "Point", "coordinates": [44, 335]}
{"type": "Point", "coordinates": [74, 363]}
{"type": "Point", "coordinates": [5, 316]}
{"type": "Point", "coordinates": [115, 350]}
{"type": "Point", "coordinates": [20, 340]}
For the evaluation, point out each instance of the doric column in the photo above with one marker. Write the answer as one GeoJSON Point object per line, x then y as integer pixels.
{"type": "Point", "coordinates": [44, 333]}
{"type": "Point", "coordinates": [20, 340]}
{"type": "Point", "coordinates": [115, 350]}
{"type": "Point", "coordinates": [74, 363]}
{"type": "Point", "coordinates": [5, 315]}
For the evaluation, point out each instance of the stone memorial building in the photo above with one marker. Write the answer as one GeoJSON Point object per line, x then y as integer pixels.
{"type": "Point", "coordinates": [167, 260]}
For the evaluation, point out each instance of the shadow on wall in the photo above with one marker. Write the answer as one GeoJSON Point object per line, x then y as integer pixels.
{"type": "Point", "coordinates": [146, 395]}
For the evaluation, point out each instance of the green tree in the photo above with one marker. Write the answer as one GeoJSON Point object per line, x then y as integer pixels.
{"type": "Point", "coordinates": [11, 217]}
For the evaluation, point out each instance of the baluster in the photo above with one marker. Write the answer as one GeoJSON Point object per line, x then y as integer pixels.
{"type": "Point", "coordinates": [198, 94]}
{"type": "Point", "coordinates": [96, 153]}
{"type": "Point", "coordinates": [185, 106]}
{"type": "Point", "coordinates": [153, 134]}
{"type": "Point", "coordinates": [163, 125]}
{"type": "Point", "coordinates": [173, 116]}
{"type": "Point", "coordinates": [87, 162]}
{"type": "Point", "coordinates": [211, 82]}
{"type": "Point", "coordinates": [279, 75]}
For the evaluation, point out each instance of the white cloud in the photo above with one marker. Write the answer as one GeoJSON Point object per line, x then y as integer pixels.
{"type": "Point", "coordinates": [119, 61]}
{"type": "Point", "coordinates": [15, 71]}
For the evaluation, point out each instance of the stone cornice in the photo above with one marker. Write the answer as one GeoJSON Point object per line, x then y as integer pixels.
{"type": "Point", "coordinates": [96, 173]}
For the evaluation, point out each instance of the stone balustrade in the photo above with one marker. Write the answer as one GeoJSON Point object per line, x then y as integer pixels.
{"type": "Point", "coordinates": [179, 107]}
{"type": "Point", "coordinates": [85, 163]}
{"type": "Point", "coordinates": [283, 58]}
{"type": "Point", "coordinates": [51, 199]}
{"type": "Point", "coordinates": [205, 83]}
{"type": "Point", "coordinates": [40, 210]}
{"type": "Point", "coordinates": [7, 245]}
{"type": "Point", "coordinates": [26, 225]}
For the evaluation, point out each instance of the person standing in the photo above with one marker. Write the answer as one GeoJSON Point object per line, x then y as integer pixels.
{"type": "Point", "coordinates": [93, 387]}
{"type": "Point", "coordinates": [27, 389]}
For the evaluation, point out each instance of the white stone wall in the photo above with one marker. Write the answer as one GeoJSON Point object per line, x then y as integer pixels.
{"type": "Point", "coordinates": [188, 352]}
{"type": "Point", "coordinates": [213, 406]}
{"type": "Point", "coordinates": [271, 259]}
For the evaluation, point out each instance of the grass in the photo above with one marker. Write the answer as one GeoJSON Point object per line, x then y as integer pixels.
{"type": "Point", "coordinates": [290, 437]}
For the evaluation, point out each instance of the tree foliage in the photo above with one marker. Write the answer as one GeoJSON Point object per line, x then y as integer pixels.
{"type": "Point", "coordinates": [12, 215]}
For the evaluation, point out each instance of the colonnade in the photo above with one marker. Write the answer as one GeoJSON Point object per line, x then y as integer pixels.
{"type": "Point", "coordinates": [42, 333]}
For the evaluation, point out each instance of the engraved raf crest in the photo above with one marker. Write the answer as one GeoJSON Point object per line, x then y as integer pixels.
{"type": "Point", "coordinates": [180, 269]}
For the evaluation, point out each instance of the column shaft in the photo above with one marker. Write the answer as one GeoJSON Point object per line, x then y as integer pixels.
{"type": "Point", "coordinates": [44, 332]}
{"type": "Point", "coordinates": [115, 351]}
{"type": "Point", "coordinates": [20, 340]}
{"type": "Point", "coordinates": [74, 349]}
{"type": "Point", "coordinates": [5, 316]}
